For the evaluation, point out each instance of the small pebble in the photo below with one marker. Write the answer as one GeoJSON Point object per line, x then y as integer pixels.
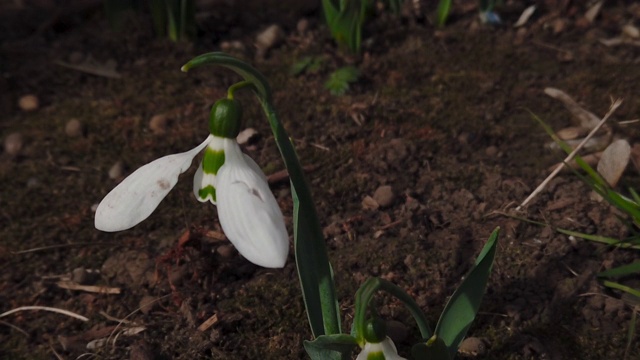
{"type": "Point", "coordinates": [116, 171]}
{"type": "Point", "coordinates": [303, 25]}
{"type": "Point", "coordinates": [631, 31]}
{"type": "Point", "coordinates": [13, 144]}
{"type": "Point", "coordinates": [233, 45]}
{"type": "Point", "coordinates": [29, 103]}
{"type": "Point", "coordinates": [73, 128]}
{"type": "Point", "coordinates": [473, 346]}
{"type": "Point", "coordinates": [226, 251]}
{"type": "Point", "coordinates": [384, 196]}
{"type": "Point", "coordinates": [368, 203]}
{"type": "Point", "coordinates": [94, 207]}
{"type": "Point", "coordinates": [559, 25]}
{"type": "Point", "coordinates": [158, 124]}
{"type": "Point", "coordinates": [269, 38]}
{"type": "Point", "coordinates": [491, 151]}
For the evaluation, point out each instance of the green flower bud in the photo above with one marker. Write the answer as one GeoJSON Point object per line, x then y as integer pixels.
{"type": "Point", "coordinates": [376, 331]}
{"type": "Point", "coordinates": [224, 120]}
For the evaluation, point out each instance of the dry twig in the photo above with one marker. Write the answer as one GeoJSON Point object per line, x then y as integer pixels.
{"type": "Point", "coordinates": [45, 308]}
{"type": "Point", "coordinates": [70, 285]}
{"type": "Point", "coordinates": [540, 187]}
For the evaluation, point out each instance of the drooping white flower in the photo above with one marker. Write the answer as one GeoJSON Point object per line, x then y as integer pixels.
{"type": "Point", "coordinates": [384, 350]}
{"type": "Point", "coordinates": [248, 211]}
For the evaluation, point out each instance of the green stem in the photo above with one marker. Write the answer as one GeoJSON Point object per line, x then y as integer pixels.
{"type": "Point", "coordinates": [365, 294]}
{"type": "Point", "coordinates": [238, 86]}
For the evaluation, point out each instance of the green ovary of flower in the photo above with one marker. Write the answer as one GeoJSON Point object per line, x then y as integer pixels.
{"type": "Point", "coordinates": [224, 120]}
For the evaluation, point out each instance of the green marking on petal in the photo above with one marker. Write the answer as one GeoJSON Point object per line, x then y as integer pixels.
{"type": "Point", "coordinates": [207, 191]}
{"type": "Point", "coordinates": [376, 356]}
{"type": "Point", "coordinates": [213, 160]}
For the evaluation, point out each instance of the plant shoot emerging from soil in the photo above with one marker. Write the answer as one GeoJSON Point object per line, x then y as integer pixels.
{"type": "Point", "coordinates": [251, 218]}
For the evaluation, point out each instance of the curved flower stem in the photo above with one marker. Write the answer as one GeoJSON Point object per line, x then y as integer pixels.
{"type": "Point", "coordinates": [365, 294]}
{"type": "Point", "coordinates": [238, 86]}
{"type": "Point", "coordinates": [312, 260]}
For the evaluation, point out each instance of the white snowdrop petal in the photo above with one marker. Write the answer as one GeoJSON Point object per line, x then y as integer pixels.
{"type": "Point", "coordinates": [137, 196]}
{"type": "Point", "coordinates": [255, 167]}
{"type": "Point", "coordinates": [386, 347]}
{"type": "Point", "coordinates": [249, 213]}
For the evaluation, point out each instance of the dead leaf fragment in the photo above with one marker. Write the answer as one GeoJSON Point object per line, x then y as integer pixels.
{"type": "Point", "coordinates": [593, 12]}
{"type": "Point", "coordinates": [526, 14]}
{"type": "Point", "coordinates": [614, 160]}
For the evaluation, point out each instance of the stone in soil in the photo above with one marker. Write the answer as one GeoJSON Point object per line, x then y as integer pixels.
{"type": "Point", "coordinates": [384, 196]}
{"type": "Point", "coordinates": [29, 103]}
{"type": "Point", "coordinates": [13, 144]}
{"type": "Point", "coordinates": [73, 128]}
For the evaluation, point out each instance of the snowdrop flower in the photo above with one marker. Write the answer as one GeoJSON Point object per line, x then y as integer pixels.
{"type": "Point", "coordinates": [248, 211]}
{"type": "Point", "coordinates": [384, 350]}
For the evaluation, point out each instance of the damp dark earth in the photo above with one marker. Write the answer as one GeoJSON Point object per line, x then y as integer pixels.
{"type": "Point", "coordinates": [428, 151]}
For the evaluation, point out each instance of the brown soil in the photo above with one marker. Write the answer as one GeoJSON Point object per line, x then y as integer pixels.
{"type": "Point", "coordinates": [439, 115]}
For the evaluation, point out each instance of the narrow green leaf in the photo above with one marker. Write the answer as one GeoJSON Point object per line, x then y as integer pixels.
{"type": "Point", "coordinates": [634, 194]}
{"type": "Point", "coordinates": [618, 286]}
{"type": "Point", "coordinates": [331, 347]}
{"type": "Point", "coordinates": [631, 333]}
{"type": "Point", "coordinates": [172, 26]}
{"type": "Point", "coordinates": [159, 16]}
{"type": "Point", "coordinates": [300, 66]}
{"type": "Point", "coordinates": [623, 270]}
{"type": "Point", "coordinates": [626, 243]}
{"type": "Point", "coordinates": [312, 260]}
{"type": "Point", "coordinates": [463, 305]}
{"type": "Point", "coordinates": [444, 7]}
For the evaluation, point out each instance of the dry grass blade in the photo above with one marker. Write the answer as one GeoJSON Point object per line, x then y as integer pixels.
{"type": "Point", "coordinates": [70, 285]}
{"type": "Point", "coordinates": [93, 69]}
{"type": "Point", "coordinates": [612, 109]}
{"type": "Point", "coordinates": [45, 308]}
{"type": "Point", "coordinates": [208, 323]}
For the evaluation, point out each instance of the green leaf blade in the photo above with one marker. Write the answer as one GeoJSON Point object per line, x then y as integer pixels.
{"type": "Point", "coordinates": [444, 8]}
{"type": "Point", "coordinates": [623, 270]}
{"type": "Point", "coordinates": [462, 307]}
{"type": "Point", "coordinates": [331, 347]}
